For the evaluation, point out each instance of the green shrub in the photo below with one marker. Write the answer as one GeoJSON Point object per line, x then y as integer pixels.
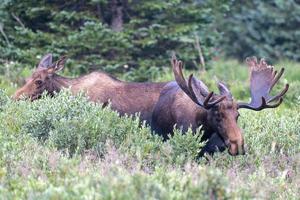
{"type": "Point", "coordinates": [117, 158]}
{"type": "Point", "coordinates": [262, 28]}
{"type": "Point", "coordinates": [85, 32]}
{"type": "Point", "coordinates": [185, 146]}
{"type": "Point", "coordinates": [3, 99]}
{"type": "Point", "coordinates": [73, 124]}
{"type": "Point", "coordinates": [264, 138]}
{"type": "Point", "coordinates": [68, 122]}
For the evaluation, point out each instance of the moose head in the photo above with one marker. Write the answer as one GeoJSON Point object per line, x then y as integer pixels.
{"type": "Point", "coordinates": [222, 109]}
{"type": "Point", "coordinates": [42, 79]}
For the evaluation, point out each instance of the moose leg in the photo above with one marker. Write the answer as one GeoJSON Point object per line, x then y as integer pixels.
{"type": "Point", "coordinates": [214, 144]}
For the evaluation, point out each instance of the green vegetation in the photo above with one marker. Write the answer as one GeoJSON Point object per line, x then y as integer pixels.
{"type": "Point", "coordinates": [113, 157]}
{"type": "Point", "coordinates": [68, 148]}
{"type": "Point", "coordinates": [95, 36]}
{"type": "Point", "coordinates": [139, 39]}
{"type": "Point", "coordinates": [263, 28]}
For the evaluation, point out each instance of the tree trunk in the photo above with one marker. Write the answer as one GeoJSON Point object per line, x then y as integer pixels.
{"type": "Point", "coordinates": [117, 15]}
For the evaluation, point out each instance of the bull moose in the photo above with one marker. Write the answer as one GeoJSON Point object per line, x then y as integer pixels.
{"type": "Point", "coordinates": [125, 97]}
{"type": "Point", "coordinates": [189, 103]}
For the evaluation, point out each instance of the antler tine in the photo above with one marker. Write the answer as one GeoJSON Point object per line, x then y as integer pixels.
{"type": "Point", "coordinates": [187, 86]}
{"type": "Point", "coordinates": [194, 96]}
{"type": "Point", "coordinates": [251, 61]}
{"type": "Point", "coordinates": [265, 105]}
{"type": "Point", "coordinates": [191, 90]}
{"type": "Point", "coordinates": [216, 101]}
{"type": "Point", "coordinates": [280, 94]}
{"type": "Point", "coordinates": [275, 105]}
{"type": "Point", "coordinates": [276, 78]}
{"type": "Point", "coordinates": [263, 79]}
{"type": "Point", "coordinates": [207, 98]}
{"type": "Point", "coordinates": [206, 103]}
{"type": "Point", "coordinates": [177, 69]}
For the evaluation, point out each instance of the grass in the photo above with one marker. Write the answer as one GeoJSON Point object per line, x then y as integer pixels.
{"type": "Point", "coordinates": [69, 148]}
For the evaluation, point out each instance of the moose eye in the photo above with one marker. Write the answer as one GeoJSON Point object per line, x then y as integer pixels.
{"type": "Point", "coordinates": [38, 82]}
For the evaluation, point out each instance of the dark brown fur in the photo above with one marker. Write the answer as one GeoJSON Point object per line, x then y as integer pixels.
{"type": "Point", "coordinates": [188, 103]}
{"type": "Point", "coordinates": [174, 107]}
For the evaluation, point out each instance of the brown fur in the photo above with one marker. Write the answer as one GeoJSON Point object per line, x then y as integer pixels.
{"type": "Point", "coordinates": [125, 97]}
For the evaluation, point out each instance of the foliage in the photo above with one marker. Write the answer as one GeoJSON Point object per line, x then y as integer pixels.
{"type": "Point", "coordinates": [263, 28]}
{"type": "Point", "coordinates": [69, 148]}
{"type": "Point", "coordinates": [85, 31]}
{"type": "Point", "coordinates": [66, 147]}
{"type": "Point", "coordinates": [74, 124]}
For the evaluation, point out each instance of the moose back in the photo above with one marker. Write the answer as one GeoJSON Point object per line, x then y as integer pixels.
{"type": "Point", "coordinates": [125, 97]}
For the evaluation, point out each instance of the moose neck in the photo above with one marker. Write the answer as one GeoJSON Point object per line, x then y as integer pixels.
{"type": "Point", "coordinates": [203, 117]}
{"type": "Point", "coordinates": [59, 82]}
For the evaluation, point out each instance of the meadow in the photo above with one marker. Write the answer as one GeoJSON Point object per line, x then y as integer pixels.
{"type": "Point", "coordinates": [69, 148]}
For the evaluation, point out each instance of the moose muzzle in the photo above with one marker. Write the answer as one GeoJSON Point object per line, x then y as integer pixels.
{"type": "Point", "coordinates": [236, 147]}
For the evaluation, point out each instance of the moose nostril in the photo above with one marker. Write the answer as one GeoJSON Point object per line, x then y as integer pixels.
{"type": "Point", "coordinates": [232, 149]}
{"type": "Point", "coordinates": [232, 153]}
{"type": "Point", "coordinates": [243, 151]}
{"type": "Point", "coordinates": [240, 150]}
{"type": "Point", "coordinates": [235, 149]}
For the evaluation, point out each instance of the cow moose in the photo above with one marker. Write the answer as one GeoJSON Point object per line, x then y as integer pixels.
{"type": "Point", "coordinates": [189, 103]}
{"type": "Point", "coordinates": [125, 97]}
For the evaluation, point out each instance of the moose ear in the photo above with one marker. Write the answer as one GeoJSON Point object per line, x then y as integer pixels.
{"type": "Point", "coordinates": [224, 90]}
{"type": "Point", "coordinates": [58, 65]}
{"type": "Point", "coordinates": [46, 61]}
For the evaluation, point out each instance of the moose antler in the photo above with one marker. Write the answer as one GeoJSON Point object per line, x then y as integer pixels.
{"type": "Point", "coordinates": [262, 80]}
{"type": "Point", "coordinates": [193, 84]}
